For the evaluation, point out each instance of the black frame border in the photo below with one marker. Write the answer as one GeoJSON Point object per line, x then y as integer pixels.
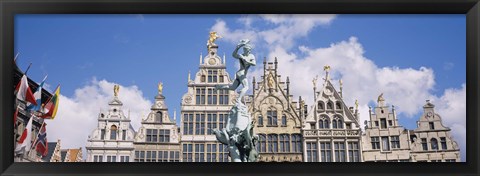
{"type": "Point", "coordinates": [8, 8]}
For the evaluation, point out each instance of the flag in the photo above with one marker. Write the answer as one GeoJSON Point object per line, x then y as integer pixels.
{"type": "Point", "coordinates": [41, 143]}
{"type": "Point", "coordinates": [38, 98]}
{"type": "Point", "coordinates": [26, 138]}
{"type": "Point", "coordinates": [23, 92]}
{"type": "Point", "coordinates": [51, 107]}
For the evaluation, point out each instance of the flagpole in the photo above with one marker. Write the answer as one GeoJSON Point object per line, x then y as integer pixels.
{"type": "Point", "coordinates": [28, 68]}
{"type": "Point", "coordinates": [36, 138]}
{"type": "Point", "coordinates": [16, 56]}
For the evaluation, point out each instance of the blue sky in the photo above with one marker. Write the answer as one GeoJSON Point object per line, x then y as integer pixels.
{"type": "Point", "coordinates": [138, 51]}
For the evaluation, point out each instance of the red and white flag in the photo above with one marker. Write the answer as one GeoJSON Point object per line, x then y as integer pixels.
{"type": "Point", "coordinates": [23, 92]}
{"type": "Point", "coordinates": [26, 138]}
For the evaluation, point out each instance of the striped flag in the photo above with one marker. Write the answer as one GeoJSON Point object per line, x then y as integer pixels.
{"type": "Point", "coordinates": [50, 109]}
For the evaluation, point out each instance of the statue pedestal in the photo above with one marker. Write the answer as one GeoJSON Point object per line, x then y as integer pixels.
{"type": "Point", "coordinates": [238, 135]}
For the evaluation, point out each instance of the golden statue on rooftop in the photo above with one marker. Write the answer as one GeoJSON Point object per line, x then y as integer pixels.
{"type": "Point", "coordinates": [160, 88]}
{"type": "Point", "coordinates": [211, 40]}
{"type": "Point", "coordinates": [116, 88]}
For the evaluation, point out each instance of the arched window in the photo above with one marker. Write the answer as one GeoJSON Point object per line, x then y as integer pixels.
{"type": "Point", "coordinates": [262, 143]}
{"type": "Point", "coordinates": [434, 143]}
{"type": "Point", "coordinates": [158, 117]}
{"type": "Point", "coordinates": [323, 123]}
{"type": "Point", "coordinates": [337, 122]}
{"type": "Point", "coordinates": [338, 105]}
{"type": "Point", "coordinates": [284, 143]}
{"type": "Point", "coordinates": [321, 105]}
{"type": "Point", "coordinates": [272, 143]}
{"type": "Point", "coordinates": [329, 105]}
{"type": "Point", "coordinates": [260, 120]}
{"type": "Point", "coordinates": [113, 132]}
{"type": "Point", "coordinates": [296, 143]}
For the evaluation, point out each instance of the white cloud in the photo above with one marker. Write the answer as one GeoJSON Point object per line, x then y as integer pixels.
{"type": "Point", "coordinates": [406, 88]}
{"type": "Point", "coordinates": [452, 108]}
{"type": "Point", "coordinates": [77, 115]}
{"type": "Point", "coordinates": [286, 28]}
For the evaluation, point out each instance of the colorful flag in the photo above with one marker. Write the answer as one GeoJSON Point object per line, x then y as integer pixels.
{"type": "Point", "coordinates": [50, 109]}
{"type": "Point", "coordinates": [41, 143]}
{"type": "Point", "coordinates": [38, 97]}
{"type": "Point", "coordinates": [26, 138]}
{"type": "Point", "coordinates": [23, 92]}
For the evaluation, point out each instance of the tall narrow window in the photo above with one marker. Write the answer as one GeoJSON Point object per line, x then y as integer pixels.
{"type": "Point", "coordinates": [375, 142]}
{"type": "Point", "coordinates": [284, 120]}
{"type": "Point", "coordinates": [113, 132]}
{"type": "Point", "coordinates": [262, 143]}
{"type": "Point", "coordinates": [272, 143]}
{"type": "Point", "coordinates": [260, 120]}
{"type": "Point", "coordinates": [353, 152]}
{"type": "Point", "coordinates": [340, 152]}
{"type": "Point", "coordinates": [326, 152]}
{"type": "Point", "coordinates": [212, 96]}
{"type": "Point", "coordinates": [158, 117]}
{"type": "Point", "coordinates": [188, 124]}
{"type": "Point", "coordinates": [312, 152]}
{"type": "Point", "coordinates": [212, 122]}
{"type": "Point", "coordinates": [434, 144]}
{"type": "Point", "coordinates": [424, 144]}
{"type": "Point", "coordinates": [102, 134]}
{"type": "Point", "coordinates": [200, 97]}
{"type": "Point", "coordinates": [199, 124]}
{"type": "Point", "coordinates": [284, 143]}
{"type": "Point", "coordinates": [124, 135]}
{"type": "Point", "coordinates": [383, 123]}
{"type": "Point", "coordinates": [443, 140]}
{"type": "Point", "coordinates": [272, 117]}
{"type": "Point", "coordinates": [187, 153]}
{"type": "Point", "coordinates": [223, 97]}
{"type": "Point", "coordinates": [385, 143]}
{"type": "Point", "coordinates": [202, 78]}
{"type": "Point", "coordinates": [296, 143]}
{"type": "Point", "coordinates": [432, 126]}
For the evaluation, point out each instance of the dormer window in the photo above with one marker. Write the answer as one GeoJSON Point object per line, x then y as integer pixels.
{"type": "Point", "coordinates": [158, 117]}
{"type": "Point", "coordinates": [338, 106]}
{"type": "Point", "coordinates": [113, 132]}
{"type": "Point", "coordinates": [320, 105]}
{"type": "Point", "coordinates": [329, 105]}
{"type": "Point", "coordinates": [383, 123]}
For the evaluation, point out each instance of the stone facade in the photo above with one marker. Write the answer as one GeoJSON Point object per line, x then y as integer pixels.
{"type": "Point", "coordinates": [431, 141]}
{"type": "Point", "coordinates": [203, 109]}
{"type": "Point", "coordinates": [385, 140]}
{"type": "Point", "coordinates": [112, 140]}
{"type": "Point", "coordinates": [157, 140]}
{"type": "Point", "coordinates": [277, 117]}
{"type": "Point", "coordinates": [331, 131]}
